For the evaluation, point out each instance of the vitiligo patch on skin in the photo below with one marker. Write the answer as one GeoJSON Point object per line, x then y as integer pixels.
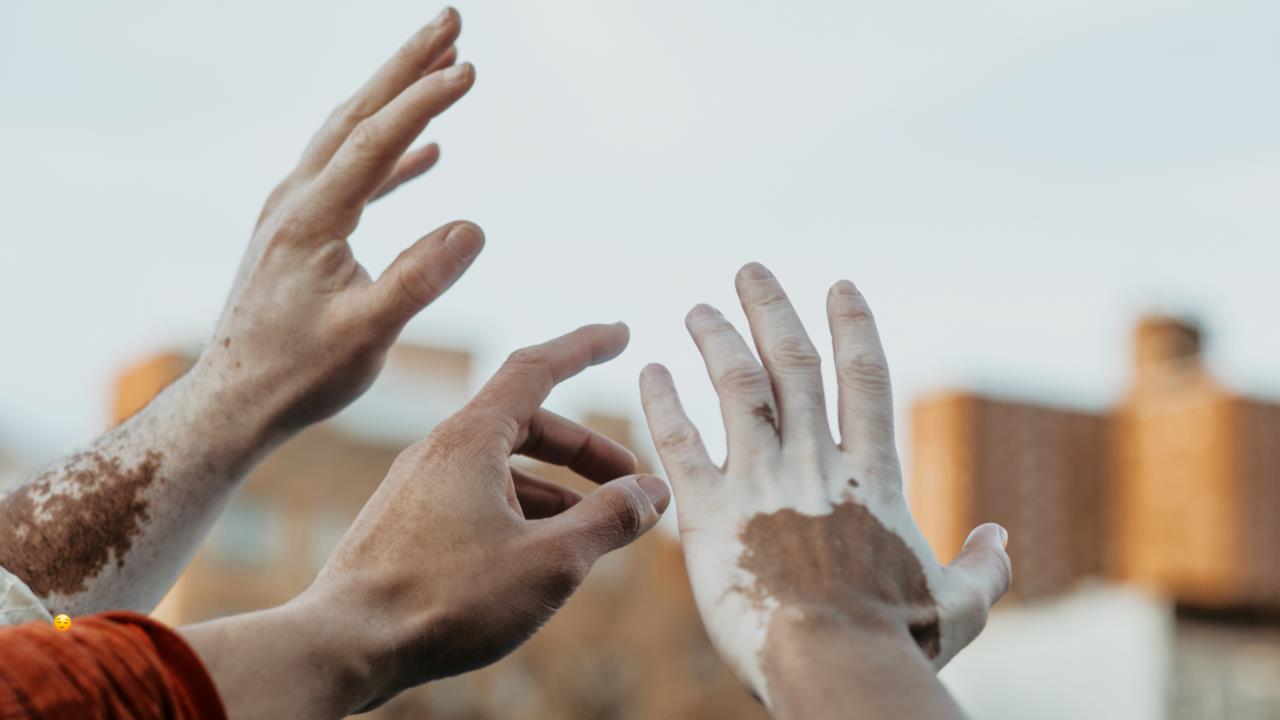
{"type": "Point", "coordinates": [846, 560]}
{"type": "Point", "coordinates": [65, 527]}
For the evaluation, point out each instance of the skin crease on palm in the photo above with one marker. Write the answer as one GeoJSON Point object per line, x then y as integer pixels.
{"type": "Point", "coordinates": [796, 531]}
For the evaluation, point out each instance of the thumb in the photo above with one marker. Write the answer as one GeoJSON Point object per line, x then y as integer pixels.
{"type": "Point", "coordinates": [613, 515]}
{"type": "Point", "coordinates": [425, 270]}
{"type": "Point", "coordinates": [984, 563]}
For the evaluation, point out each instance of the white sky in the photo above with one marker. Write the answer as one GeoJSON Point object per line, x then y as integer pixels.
{"type": "Point", "coordinates": [1011, 183]}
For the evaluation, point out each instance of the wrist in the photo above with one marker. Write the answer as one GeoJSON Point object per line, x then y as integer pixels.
{"type": "Point", "coordinates": [295, 660]}
{"type": "Point", "coordinates": [338, 647]}
{"type": "Point", "coordinates": [234, 405]}
{"type": "Point", "coordinates": [811, 654]}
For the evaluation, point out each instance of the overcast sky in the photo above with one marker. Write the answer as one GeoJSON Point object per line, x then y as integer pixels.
{"type": "Point", "coordinates": [1010, 183]}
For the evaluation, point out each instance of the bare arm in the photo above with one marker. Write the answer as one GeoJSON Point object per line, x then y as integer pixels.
{"type": "Point", "coordinates": [456, 559]}
{"type": "Point", "coordinates": [828, 669]}
{"type": "Point", "coordinates": [815, 584]}
{"type": "Point", "coordinates": [304, 332]}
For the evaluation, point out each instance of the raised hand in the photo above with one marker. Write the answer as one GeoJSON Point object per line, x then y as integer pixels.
{"type": "Point", "coordinates": [304, 332]}
{"type": "Point", "coordinates": [457, 558]}
{"type": "Point", "coordinates": [306, 329]}
{"type": "Point", "coordinates": [800, 548]}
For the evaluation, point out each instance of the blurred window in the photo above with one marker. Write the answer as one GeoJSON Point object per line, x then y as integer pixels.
{"type": "Point", "coordinates": [247, 534]}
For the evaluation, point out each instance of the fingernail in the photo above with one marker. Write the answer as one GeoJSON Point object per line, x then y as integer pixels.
{"type": "Point", "coordinates": [704, 310]}
{"type": "Point", "coordinates": [453, 73]}
{"type": "Point", "coordinates": [439, 19]}
{"type": "Point", "coordinates": [464, 240]}
{"type": "Point", "coordinates": [1004, 536]}
{"type": "Point", "coordinates": [655, 490]}
{"type": "Point", "coordinates": [756, 271]}
{"type": "Point", "coordinates": [844, 287]}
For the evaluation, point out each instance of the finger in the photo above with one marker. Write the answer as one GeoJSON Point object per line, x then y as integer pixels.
{"type": "Point", "coordinates": [525, 380]}
{"type": "Point", "coordinates": [865, 403]}
{"type": "Point", "coordinates": [369, 154]}
{"type": "Point", "coordinates": [612, 516]}
{"type": "Point", "coordinates": [560, 441]}
{"type": "Point", "coordinates": [679, 445]}
{"type": "Point", "coordinates": [542, 498]}
{"type": "Point", "coordinates": [424, 271]}
{"type": "Point", "coordinates": [788, 354]}
{"type": "Point", "coordinates": [424, 52]}
{"type": "Point", "coordinates": [449, 57]}
{"type": "Point", "coordinates": [746, 395]}
{"type": "Point", "coordinates": [413, 164]}
{"type": "Point", "coordinates": [985, 565]}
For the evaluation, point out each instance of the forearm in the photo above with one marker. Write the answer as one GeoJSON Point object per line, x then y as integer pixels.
{"type": "Point", "coordinates": [295, 660]}
{"type": "Point", "coordinates": [817, 670]}
{"type": "Point", "coordinates": [112, 526]}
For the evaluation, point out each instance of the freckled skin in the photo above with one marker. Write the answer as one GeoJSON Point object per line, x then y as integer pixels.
{"type": "Point", "coordinates": [58, 541]}
{"type": "Point", "coordinates": [304, 331]}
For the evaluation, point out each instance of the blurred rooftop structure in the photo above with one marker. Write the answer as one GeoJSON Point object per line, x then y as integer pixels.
{"type": "Point", "coordinates": [1174, 491]}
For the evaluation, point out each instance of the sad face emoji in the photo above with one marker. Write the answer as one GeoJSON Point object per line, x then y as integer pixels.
{"type": "Point", "coordinates": [62, 621]}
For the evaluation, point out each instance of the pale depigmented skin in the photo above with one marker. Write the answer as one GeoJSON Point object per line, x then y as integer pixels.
{"type": "Point", "coordinates": [305, 330]}
{"type": "Point", "coordinates": [796, 532]}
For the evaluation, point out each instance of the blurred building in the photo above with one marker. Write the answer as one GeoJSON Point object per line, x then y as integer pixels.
{"type": "Point", "coordinates": [10, 472]}
{"type": "Point", "coordinates": [628, 644]}
{"type": "Point", "coordinates": [1174, 491]}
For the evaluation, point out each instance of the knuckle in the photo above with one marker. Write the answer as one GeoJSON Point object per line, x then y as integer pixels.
{"type": "Point", "coordinates": [745, 379]}
{"type": "Point", "coordinates": [417, 283]}
{"type": "Point", "coordinates": [351, 112]}
{"type": "Point", "coordinates": [279, 193]}
{"type": "Point", "coordinates": [528, 362]}
{"type": "Point", "coordinates": [769, 299]}
{"type": "Point", "coordinates": [566, 565]}
{"type": "Point", "coordinates": [794, 352]}
{"type": "Point", "coordinates": [363, 139]}
{"type": "Point", "coordinates": [678, 438]}
{"type": "Point", "coordinates": [449, 435]}
{"type": "Point", "coordinates": [291, 224]}
{"type": "Point", "coordinates": [624, 518]}
{"type": "Point", "coordinates": [853, 310]}
{"type": "Point", "coordinates": [526, 357]}
{"type": "Point", "coordinates": [866, 369]}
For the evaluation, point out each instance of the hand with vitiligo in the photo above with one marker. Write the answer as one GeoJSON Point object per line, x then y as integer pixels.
{"type": "Point", "coordinates": [813, 581]}
{"type": "Point", "coordinates": [304, 332]}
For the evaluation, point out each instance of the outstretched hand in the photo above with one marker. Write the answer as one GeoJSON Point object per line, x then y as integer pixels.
{"type": "Point", "coordinates": [797, 539]}
{"type": "Point", "coordinates": [306, 329]}
{"type": "Point", "coordinates": [459, 557]}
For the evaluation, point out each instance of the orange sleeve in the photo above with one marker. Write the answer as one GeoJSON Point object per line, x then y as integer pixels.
{"type": "Point", "coordinates": [109, 665]}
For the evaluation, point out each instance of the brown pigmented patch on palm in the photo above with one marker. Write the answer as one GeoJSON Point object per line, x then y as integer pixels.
{"type": "Point", "coordinates": [846, 561]}
{"type": "Point", "coordinates": [63, 528]}
{"type": "Point", "coordinates": [764, 413]}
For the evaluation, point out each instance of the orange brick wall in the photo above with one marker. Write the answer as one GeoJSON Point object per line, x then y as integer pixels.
{"type": "Point", "coordinates": [1040, 472]}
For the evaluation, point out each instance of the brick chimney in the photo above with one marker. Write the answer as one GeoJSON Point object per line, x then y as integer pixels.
{"type": "Point", "coordinates": [1166, 351]}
